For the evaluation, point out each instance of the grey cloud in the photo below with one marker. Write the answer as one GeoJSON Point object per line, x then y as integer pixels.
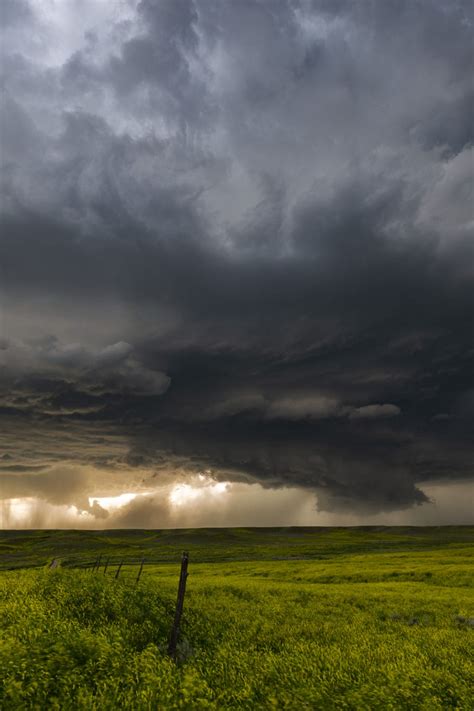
{"type": "Point", "coordinates": [297, 408]}
{"type": "Point", "coordinates": [252, 248]}
{"type": "Point", "coordinates": [60, 485]}
{"type": "Point", "coordinates": [144, 512]}
{"type": "Point", "coordinates": [375, 411]}
{"type": "Point", "coordinates": [14, 12]}
{"type": "Point", "coordinates": [233, 405]}
{"type": "Point", "coordinates": [73, 374]}
{"type": "Point", "coordinates": [450, 127]}
{"type": "Point", "coordinates": [97, 510]}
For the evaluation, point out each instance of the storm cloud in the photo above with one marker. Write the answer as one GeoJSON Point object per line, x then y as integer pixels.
{"type": "Point", "coordinates": [236, 238]}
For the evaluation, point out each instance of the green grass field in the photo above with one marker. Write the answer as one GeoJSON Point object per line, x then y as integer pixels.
{"type": "Point", "coordinates": [274, 619]}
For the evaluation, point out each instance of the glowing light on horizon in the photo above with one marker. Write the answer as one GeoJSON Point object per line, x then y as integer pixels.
{"type": "Point", "coordinates": [182, 494]}
{"type": "Point", "coordinates": [16, 511]}
{"type": "Point", "coordinates": [112, 502]}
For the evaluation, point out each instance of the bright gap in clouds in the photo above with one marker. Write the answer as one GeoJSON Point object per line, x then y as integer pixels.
{"type": "Point", "coordinates": [201, 501]}
{"type": "Point", "coordinates": [16, 512]}
{"type": "Point", "coordinates": [183, 494]}
{"type": "Point", "coordinates": [112, 502]}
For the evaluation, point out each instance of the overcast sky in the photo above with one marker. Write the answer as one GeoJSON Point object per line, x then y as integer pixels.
{"type": "Point", "coordinates": [236, 262]}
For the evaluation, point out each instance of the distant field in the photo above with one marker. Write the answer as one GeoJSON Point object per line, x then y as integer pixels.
{"type": "Point", "coordinates": [33, 548]}
{"type": "Point", "coordinates": [274, 619]}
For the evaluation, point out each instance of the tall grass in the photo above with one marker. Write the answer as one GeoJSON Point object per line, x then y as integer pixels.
{"type": "Point", "coordinates": [256, 635]}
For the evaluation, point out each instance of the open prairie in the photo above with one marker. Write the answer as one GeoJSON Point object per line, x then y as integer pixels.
{"type": "Point", "coordinates": [273, 619]}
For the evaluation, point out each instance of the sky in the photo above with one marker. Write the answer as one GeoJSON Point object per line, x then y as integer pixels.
{"type": "Point", "coordinates": [236, 263]}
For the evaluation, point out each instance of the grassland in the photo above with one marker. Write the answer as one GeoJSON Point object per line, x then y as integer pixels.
{"type": "Point", "coordinates": [274, 619]}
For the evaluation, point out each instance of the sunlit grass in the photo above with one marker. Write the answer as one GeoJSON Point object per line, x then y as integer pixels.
{"type": "Point", "coordinates": [380, 630]}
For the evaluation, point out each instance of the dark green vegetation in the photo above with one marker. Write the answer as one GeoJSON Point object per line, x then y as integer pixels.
{"type": "Point", "coordinates": [32, 548]}
{"type": "Point", "coordinates": [274, 619]}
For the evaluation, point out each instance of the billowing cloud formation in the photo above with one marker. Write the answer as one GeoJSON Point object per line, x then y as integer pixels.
{"type": "Point", "coordinates": [374, 411]}
{"type": "Point", "coordinates": [237, 237]}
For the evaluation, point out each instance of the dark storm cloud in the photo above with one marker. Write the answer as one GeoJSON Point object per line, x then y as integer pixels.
{"type": "Point", "coordinates": [237, 237]}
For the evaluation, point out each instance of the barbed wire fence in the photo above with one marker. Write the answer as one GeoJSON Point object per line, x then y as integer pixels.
{"type": "Point", "coordinates": [95, 565]}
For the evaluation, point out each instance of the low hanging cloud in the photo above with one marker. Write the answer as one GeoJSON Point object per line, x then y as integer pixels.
{"type": "Point", "coordinates": [59, 486]}
{"type": "Point", "coordinates": [300, 408]}
{"type": "Point", "coordinates": [248, 252]}
{"type": "Point", "coordinates": [373, 412]}
{"type": "Point", "coordinates": [66, 379]}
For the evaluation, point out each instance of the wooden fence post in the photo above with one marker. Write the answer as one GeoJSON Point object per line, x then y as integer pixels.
{"type": "Point", "coordinates": [140, 571]}
{"type": "Point", "coordinates": [98, 563]}
{"type": "Point", "coordinates": [174, 634]}
{"type": "Point", "coordinates": [106, 564]}
{"type": "Point", "coordinates": [117, 573]}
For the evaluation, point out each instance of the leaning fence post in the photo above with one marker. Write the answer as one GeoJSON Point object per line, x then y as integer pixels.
{"type": "Point", "coordinates": [117, 572]}
{"type": "Point", "coordinates": [106, 564]}
{"type": "Point", "coordinates": [97, 567]}
{"type": "Point", "coordinates": [173, 641]}
{"type": "Point", "coordinates": [140, 571]}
